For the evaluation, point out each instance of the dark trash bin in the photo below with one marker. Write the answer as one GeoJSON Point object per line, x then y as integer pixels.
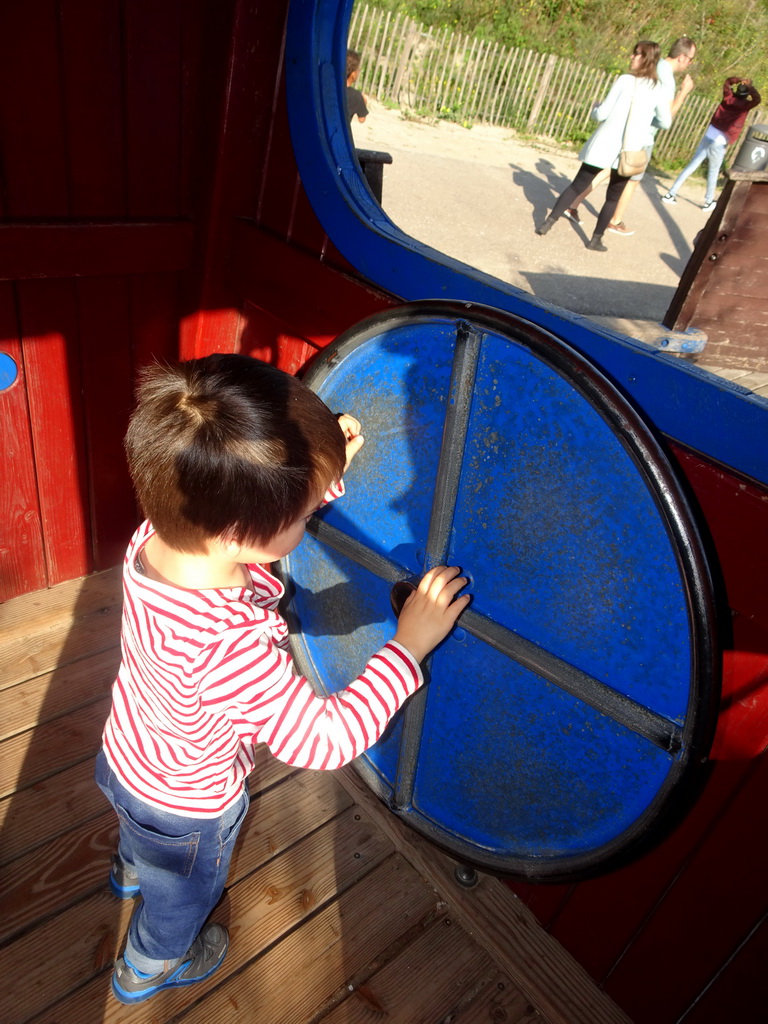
{"type": "Point", "coordinates": [753, 154]}
{"type": "Point", "coordinates": [372, 165]}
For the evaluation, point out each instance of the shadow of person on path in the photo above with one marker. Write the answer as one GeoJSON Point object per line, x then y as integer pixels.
{"type": "Point", "coordinates": [542, 189]}
{"type": "Point", "coordinates": [683, 246]}
{"type": "Point", "coordinates": [539, 189]}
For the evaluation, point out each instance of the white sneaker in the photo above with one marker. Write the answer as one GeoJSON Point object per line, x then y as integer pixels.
{"type": "Point", "coordinates": [709, 206]}
{"type": "Point", "coordinates": [668, 198]}
{"type": "Point", "coordinates": [620, 229]}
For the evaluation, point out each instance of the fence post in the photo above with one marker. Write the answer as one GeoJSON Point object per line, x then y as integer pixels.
{"type": "Point", "coordinates": [406, 56]}
{"type": "Point", "coordinates": [543, 86]}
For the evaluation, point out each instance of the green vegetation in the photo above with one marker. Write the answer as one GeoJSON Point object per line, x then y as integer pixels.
{"type": "Point", "coordinates": [730, 34]}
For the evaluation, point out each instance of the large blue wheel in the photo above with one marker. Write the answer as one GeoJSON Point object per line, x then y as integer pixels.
{"type": "Point", "coordinates": [567, 715]}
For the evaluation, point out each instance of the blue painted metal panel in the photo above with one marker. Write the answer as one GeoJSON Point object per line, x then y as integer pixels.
{"type": "Point", "coordinates": [716, 417]}
{"type": "Point", "coordinates": [513, 764]}
{"type": "Point", "coordinates": [565, 714]}
{"type": "Point", "coordinates": [405, 444]}
{"type": "Point", "coordinates": [543, 470]}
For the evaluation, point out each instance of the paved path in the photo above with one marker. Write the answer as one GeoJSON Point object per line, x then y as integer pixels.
{"type": "Point", "coordinates": [477, 195]}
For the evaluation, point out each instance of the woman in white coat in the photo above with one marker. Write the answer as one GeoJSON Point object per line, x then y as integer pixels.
{"type": "Point", "coordinates": [635, 101]}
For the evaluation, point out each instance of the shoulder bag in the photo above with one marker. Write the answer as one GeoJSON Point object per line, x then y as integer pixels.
{"type": "Point", "coordinates": [631, 161]}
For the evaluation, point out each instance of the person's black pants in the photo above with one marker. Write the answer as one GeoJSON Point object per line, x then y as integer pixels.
{"type": "Point", "coordinates": [581, 183]}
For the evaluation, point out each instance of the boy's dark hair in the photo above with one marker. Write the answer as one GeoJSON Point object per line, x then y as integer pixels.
{"type": "Point", "coordinates": [229, 446]}
{"type": "Point", "coordinates": [353, 61]}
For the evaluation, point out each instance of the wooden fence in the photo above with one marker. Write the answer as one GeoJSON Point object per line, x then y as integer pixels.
{"type": "Point", "coordinates": [446, 74]}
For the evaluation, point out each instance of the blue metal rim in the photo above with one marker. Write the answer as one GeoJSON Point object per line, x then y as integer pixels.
{"type": "Point", "coordinates": [718, 418]}
{"type": "Point", "coordinates": [689, 745]}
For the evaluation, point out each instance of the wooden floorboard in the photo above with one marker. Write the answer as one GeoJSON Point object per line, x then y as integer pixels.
{"type": "Point", "coordinates": [337, 913]}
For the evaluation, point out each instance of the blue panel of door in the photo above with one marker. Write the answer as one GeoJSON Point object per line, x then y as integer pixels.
{"type": "Point", "coordinates": [567, 518]}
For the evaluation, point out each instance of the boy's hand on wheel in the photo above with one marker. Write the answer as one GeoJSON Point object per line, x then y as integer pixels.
{"type": "Point", "coordinates": [430, 612]}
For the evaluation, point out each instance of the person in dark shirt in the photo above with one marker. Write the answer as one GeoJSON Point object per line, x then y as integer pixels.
{"type": "Point", "coordinates": [739, 96]}
{"type": "Point", "coordinates": [356, 101]}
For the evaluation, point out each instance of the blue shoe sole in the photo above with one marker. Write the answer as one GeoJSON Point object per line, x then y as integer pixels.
{"type": "Point", "coordinates": [173, 981]}
{"type": "Point", "coordinates": [123, 892]}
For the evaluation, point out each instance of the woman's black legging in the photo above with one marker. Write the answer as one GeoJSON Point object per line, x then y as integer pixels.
{"type": "Point", "coordinates": [581, 183]}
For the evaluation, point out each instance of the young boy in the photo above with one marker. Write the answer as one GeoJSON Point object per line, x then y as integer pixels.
{"type": "Point", "coordinates": [357, 104]}
{"type": "Point", "coordinates": [230, 457]}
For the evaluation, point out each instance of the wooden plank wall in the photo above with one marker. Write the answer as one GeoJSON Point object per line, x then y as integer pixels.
{"type": "Point", "coordinates": [724, 288]}
{"type": "Point", "coordinates": [106, 115]}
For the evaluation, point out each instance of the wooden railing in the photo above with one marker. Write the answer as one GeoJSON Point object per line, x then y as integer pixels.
{"type": "Point", "coordinates": [446, 74]}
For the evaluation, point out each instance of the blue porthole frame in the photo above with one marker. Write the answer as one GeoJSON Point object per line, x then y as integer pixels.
{"type": "Point", "coordinates": [715, 417]}
{"type": "Point", "coordinates": [9, 371]}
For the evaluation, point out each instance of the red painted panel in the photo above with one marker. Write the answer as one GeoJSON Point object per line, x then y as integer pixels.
{"type": "Point", "coordinates": [54, 387]}
{"type": "Point", "coordinates": [22, 566]}
{"type": "Point", "coordinates": [717, 899]}
{"type": "Point", "coordinates": [280, 183]}
{"type": "Point", "coordinates": [264, 334]}
{"type": "Point", "coordinates": [35, 172]}
{"type": "Point", "coordinates": [545, 901]}
{"type": "Point", "coordinates": [736, 515]}
{"type": "Point", "coordinates": [317, 301]}
{"type": "Point", "coordinates": [75, 249]}
{"type": "Point", "coordinates": [305, 228]}
{"type": "Point", "coordinates": [284, 208]}
{"type": "Point", "coordinates": [153, 106]}
{"type": "Point", "coordinates": [242, 64]}
{"type": "Point", "coordinates": [733, 994]}
{"type": "Point", "coordinates": [91, 84]}
{"type": "Point", "coordinates": [154, 319]}
{"type": "Point", "coordinates": [105, 353]}
{"type": "Point", "coordinates": [210, 330]}
{"type": "Point", "coordinates": [206, 28]}
{"type": "Point", "coordinates": [270, 339]}
{"type": "Point", "coordinates": [264, 64]}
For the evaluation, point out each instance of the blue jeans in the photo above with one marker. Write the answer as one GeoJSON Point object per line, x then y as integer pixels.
{"type": "Point", "coordinates": [182, 864]}
{"type": "Point", "coordinates": [714, 153]}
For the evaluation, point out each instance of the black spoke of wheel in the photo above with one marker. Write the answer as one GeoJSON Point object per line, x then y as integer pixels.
{"type": "Point", "coordinates": [452, 446]}
{"type": "Point", "coordinates": [380, 566]}
{"type": "Point", "coordinates": [622, 709]}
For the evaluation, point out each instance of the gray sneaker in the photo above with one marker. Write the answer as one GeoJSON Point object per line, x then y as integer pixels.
{"type": "Point", "coordinates": [205, 955]}
{"type": "Point", "coordinates": [668, 198]}
{"type": "Point", "coordinates": [123, 880]}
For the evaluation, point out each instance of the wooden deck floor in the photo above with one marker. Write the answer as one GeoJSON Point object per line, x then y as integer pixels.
{"type": "Point", "coordinates": [336, 912]}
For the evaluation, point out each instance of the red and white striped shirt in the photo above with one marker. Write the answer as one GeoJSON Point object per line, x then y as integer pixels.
{"type": "Point", "coordinates": [206, 674]}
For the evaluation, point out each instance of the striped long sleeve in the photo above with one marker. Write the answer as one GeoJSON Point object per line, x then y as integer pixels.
{"type": "Point", "coordinates": [205, 675]}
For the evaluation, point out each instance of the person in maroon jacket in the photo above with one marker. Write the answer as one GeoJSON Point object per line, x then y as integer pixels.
{"type": "Point", "coordinates": [739, 96]}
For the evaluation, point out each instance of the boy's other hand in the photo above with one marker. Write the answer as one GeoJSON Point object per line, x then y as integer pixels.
{"type": "Point", "coordinates": [430, 612]}
{"type": "Point", "coordinates": [351, 429]}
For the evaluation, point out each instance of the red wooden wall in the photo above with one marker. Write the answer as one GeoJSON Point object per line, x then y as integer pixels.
{"type": "Point", "coordinates": [108, 121]}
{"type": "Point", "coordinates": [151, 208]}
